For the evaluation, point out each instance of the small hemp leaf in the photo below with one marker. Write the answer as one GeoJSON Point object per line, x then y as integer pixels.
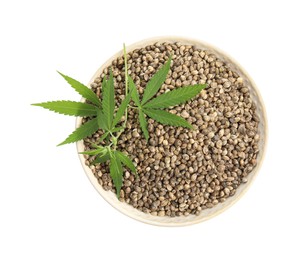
{"type": "Point", "coordinates": [100, 114]}
{"type": "Point", "coordinates": [166, 118]}
{"type": "Point", "coordinates": [126, 161]}
{"type": "Point", "coordinates": [83, 90]}
{"type": "Point", "coordinates": [69, 108]}
{"type": "Point", "coordinates": [72, 108]}
{"type": "Point", "coordinates": [175, 97]}
{"type": "Point", "coordinates": [116, 171]}
{"type": "Point", "coordinates": [153, 107]}
{"type": "Point", "coordinates": [143, 123]}
{"type": "Point", "coordinates": [156, 82]}
{"type": "Point", "coordinates": [110, 123]}
{"type": "Point", "coordinates": [101, 153]}
{"type": "Point", "coordinates": [82, 132]}
{"type": "Point", "coordinates": [101, 159]}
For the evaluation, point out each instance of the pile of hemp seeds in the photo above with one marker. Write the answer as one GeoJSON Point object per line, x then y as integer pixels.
{"type": "Point", "coordinates": [183, 171]}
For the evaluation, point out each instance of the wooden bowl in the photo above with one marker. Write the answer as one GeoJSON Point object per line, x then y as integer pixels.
{"type": "Point", "coordinates": [205, 214]}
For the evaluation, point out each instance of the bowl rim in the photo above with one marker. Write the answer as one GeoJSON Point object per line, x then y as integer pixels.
{"type": "Point", "coordinates": [206, 214]}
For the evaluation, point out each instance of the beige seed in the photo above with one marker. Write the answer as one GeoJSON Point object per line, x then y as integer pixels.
{"type": "Point", "coordinates": [202, 54]}
{"type": "Point", "coordinates": [193, 177]}
{"type": "Point", "coordinates": [135, 134]}
{"type": "Point", "coordinates": [227, 191]}
{"type": "Point", "coordinates": [186, 186]}
{"type": "Point", "coordinates": [185, 114]}
{"type": "Point", "coordinates": [161, 213]}
{"type": "Point", "coordinates": [219, 144]}
{"type": "Point", "coordinates": [211, 135]}
{"type": "Point", "coordinates": [171, 195]}
{"type": "Point", "coordinates": [240, 80]}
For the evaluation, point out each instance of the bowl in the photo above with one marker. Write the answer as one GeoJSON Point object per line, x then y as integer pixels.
{"type": "Point", "coordinates": [208, 213]}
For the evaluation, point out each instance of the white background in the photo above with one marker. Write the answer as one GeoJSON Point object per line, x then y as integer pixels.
{"type": "Point", "coordinates": [49, 209]}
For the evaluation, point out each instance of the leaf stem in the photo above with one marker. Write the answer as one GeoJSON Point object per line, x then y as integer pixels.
{"type": "Point", "coordinates": [133, 107]}
{"type": "Point", "coordinates": [126, 81]}
{"type": "Point", "coordinates": [109, 150]}
{"type": "Point", "coordinates": [126, 93]}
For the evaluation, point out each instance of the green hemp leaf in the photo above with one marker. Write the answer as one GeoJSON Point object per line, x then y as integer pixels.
{"type": "Point", "coordinates": [108, 116]}
{"type": "Point", "coordinates": [153, 108]}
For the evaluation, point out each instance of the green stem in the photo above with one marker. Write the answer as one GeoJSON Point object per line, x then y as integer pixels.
{"type": "Point", "coordinates": [126, 93]}
{"type": "Point", "coordinates": [126, 81]}
{"type": "Point", "coordinates": [113, 141]}
{"type": "Point", "coordinates": [111, 134]}
{"type": "Point", "coordinates": [115, 138]}
{"type": "Point", "coordinates": [133, 107]}
{"type": "Point", "coordinates": [109, 150]}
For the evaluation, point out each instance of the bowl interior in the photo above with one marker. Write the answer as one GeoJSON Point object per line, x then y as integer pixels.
{"type": "Point", "coordinates": [206, 213]}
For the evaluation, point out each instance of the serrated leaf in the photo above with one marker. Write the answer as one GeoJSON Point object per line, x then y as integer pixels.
{"type": "Point", "coordinates": [101, 120]}
{"type": "Point", "coordinates": [70, 108]}
{"type": "Point", "coordinates": [82, 90]}
{"type": "Point", "coordinates": [126, 161]}
{"type": "Point", "coordinates": [135, 96]}
{"type": "Point", "coordinates": [143, 124]}
{"type": "Point", "coordinates": [166, 118]}
{"type": "Point", "coordinates": [175, 97]}
{"type": "Point", "coordinates": [101, 159]}
{"type": "Point", "coordinates": [104, 83]}
{"type": "Point", "coordinates": [122, 108]}
{"type": "Point", "coordinates": [116, 172]}
{"type": "Point", "coordinates": [117, 129]}
{"type": "Point", "coordinates": [156, 82]}
{"type": "Point", "coordinates": [82, 132]}
{"type": "Point", "coordinates": [108, 103]}
{"type": "Point", "coordinates": [94, 145]}
{"type": "Point", "coordinates": [94, 152]}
